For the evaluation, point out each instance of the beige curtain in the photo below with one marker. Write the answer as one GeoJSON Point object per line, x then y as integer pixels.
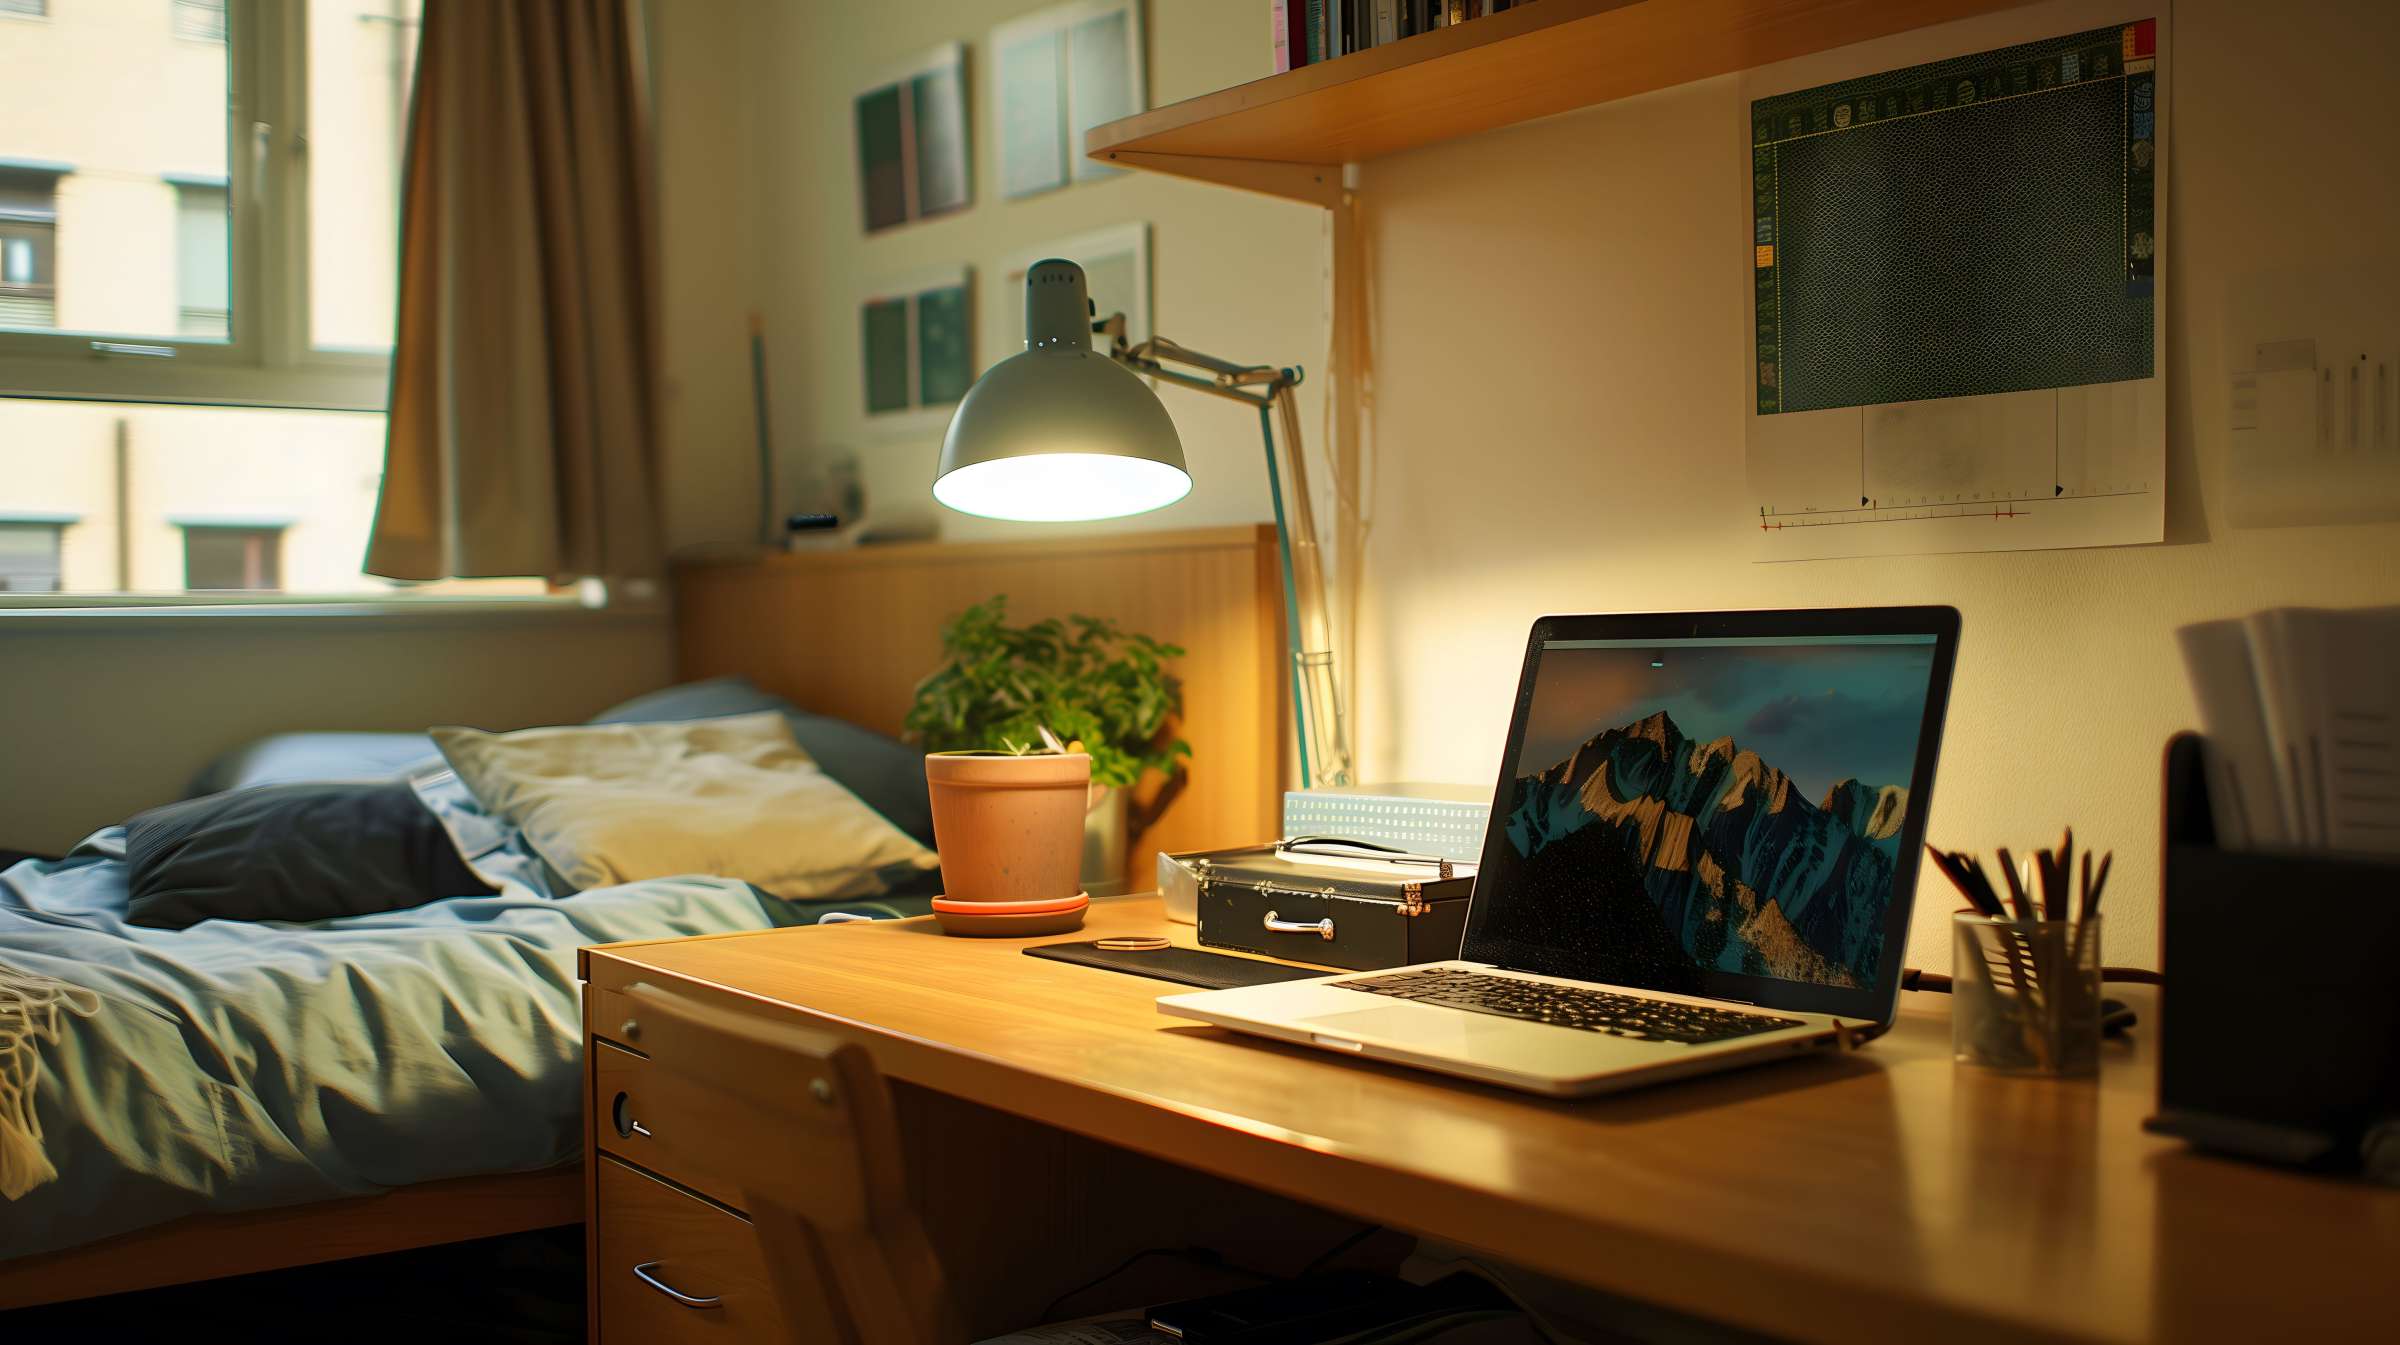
{"type": "Point", "coordinates": [523, 429]}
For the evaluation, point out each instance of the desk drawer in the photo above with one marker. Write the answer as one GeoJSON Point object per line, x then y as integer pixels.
{"type": "Point", "coordinates": [686, 1245]}
{"type": "Point", "coordinates": [654, 1119]}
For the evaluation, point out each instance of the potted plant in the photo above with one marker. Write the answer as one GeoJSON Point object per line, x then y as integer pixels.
{"type": "Point", "coordinates": [1103, 691]}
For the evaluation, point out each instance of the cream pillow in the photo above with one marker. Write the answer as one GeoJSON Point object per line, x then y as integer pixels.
{"type": "Point", "coordinates": [735, 797]}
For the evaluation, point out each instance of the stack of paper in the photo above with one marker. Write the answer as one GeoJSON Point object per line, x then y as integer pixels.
{"type": "Point", "coordinates": [2301, 709]}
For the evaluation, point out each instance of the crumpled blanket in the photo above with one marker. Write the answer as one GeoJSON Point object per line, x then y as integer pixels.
{"type": "Point", "coordinates": [30, 1007]}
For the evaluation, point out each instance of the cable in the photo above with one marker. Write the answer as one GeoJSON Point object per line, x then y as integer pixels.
{"type": "Point", "coordinates": [1209, 1257]}
{"type": "Point", "coordinates": [1334, 1252]}
{"type": "Point", "coordinates": [1933, 982]}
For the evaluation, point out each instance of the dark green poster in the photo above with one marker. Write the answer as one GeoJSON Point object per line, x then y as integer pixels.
{"type": "Point", "coordinates": [943, 363]}
{"type": "Point", "coordinates": [882, 162]}
{"type": "Point", "coordinates": [1978, 225]}
{"type": "Point", "coordinates": [885, 324]}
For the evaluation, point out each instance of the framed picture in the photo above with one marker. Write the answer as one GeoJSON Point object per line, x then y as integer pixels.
{"type": "Point", "coordinates": [911, 127]}
{"type": "Point", "coordinates": [1057, 73]}
{"type": "Point", "coordinates": [917, 346]}
{"type": "Point", "coordinates": [1116, 268]}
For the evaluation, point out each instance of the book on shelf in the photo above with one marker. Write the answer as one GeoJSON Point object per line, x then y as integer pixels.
{"type": "Point", "coordinates": [1306, 32]}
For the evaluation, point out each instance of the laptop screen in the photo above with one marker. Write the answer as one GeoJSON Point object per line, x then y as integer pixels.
{"type": "Point", "coordinates": [1724, 815]}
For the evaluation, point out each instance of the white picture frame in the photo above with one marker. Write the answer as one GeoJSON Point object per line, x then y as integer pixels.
{"type": "Point", "coordinates": [1055, 74]}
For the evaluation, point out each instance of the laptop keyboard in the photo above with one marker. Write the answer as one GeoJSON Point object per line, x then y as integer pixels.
{"type": "Point", "coordinates": [1629, 1016]}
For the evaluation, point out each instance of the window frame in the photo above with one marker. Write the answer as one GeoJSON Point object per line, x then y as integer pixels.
{"type": "Point", "coordinates": [270, 360]}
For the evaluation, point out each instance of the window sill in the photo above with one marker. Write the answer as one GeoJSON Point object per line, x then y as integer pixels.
{"type": "Point", "coordinates": [91, 611]}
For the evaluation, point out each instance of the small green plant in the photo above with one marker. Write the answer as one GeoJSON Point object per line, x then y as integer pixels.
{"type": "Point", "coordinates": [1084, 678]}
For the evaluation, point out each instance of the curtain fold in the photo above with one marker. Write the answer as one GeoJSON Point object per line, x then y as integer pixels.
{"type": "Point", "coordinates": [522, 434]}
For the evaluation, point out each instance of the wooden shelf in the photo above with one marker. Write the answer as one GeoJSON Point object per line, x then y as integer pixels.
{"type": "Point", "coordinates": [1288, 134]}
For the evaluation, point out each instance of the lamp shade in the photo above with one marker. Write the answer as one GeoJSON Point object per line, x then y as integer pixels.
{"type": "Point", "coordinates": [1060, 432]}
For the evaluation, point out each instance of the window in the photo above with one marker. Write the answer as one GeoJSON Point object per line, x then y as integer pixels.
{"type": "Point", "coordinates": [200, 20]}
{"type": "Point", "coordinates": [259, 305]}
{"type": "Point", "coordinates": [29, 554]}
{"type": "Point", "coordinates": [232, 556]}
{"type": "Point", "coordinates": [28, 247]}
{"type": "Point", "coordinates": [203, 266]}
{"type": "Point", "coordinates": [217, 188]}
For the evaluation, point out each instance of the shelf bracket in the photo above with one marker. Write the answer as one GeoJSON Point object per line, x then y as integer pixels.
{"type": "Point", "coordinates": [1317, 184]}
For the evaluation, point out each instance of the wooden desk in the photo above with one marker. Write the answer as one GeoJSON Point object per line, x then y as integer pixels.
{"type": "Point", "coordinates": [1884, 1195]}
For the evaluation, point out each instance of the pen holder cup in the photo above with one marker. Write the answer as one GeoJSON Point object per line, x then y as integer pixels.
{"type": "Point", "coordinates": [2025, 995]}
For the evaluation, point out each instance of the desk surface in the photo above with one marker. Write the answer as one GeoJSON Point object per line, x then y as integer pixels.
{"type": "Point", "coordinates": [1881, 1195]}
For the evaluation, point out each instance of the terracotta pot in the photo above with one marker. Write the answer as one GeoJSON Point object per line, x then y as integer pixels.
{"type": "Point", "coordinates": [1008, 828]}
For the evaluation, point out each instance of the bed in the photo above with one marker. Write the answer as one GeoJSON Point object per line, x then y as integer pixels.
{"type": "Point", "coordinates": [405, 1076]}
{"type": "Point", "coordinates": [466, 1127]}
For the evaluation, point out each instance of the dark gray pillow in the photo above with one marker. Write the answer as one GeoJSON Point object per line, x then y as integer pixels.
{"type": "Point", "coordinates": [290, 852]}
{"type": "Point", "coordinates": [889, 775]}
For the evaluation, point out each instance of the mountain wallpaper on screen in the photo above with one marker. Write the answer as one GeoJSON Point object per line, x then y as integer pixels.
{"type": "Point", "coordinates": [1663, 857]}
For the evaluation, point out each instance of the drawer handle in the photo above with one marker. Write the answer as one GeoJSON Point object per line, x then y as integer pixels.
{"type": "Point", "coordinates": [1323, 929]}
{"type": "Point", "coordinates": [621, 1116]}
{"type": "Point", "coordinates": [642, 1273]}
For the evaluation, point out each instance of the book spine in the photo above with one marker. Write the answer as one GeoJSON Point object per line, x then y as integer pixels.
{"type": "Point", "coordinates": [1317, 46]}
{"type": "Point", "coordinates": [1296, 31]}
{"type": "Point", "coordinates": [1457, 11]}
{"type": "Point", "coordinates": [1387, 24]}
{"type": "Point", "coordinates": [1279, 33]}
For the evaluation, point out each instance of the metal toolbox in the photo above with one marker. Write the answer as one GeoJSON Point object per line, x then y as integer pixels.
{"type": "Point", "coordinates": [1335, 903]}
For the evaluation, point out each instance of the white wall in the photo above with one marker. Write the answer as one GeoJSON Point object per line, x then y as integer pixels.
{"type": "Point", "coordinates": [1561, 430]}
{"type": "Point", "coordinates": [103, 716]}
{"type": "Point", "coordinates": [762, 211]}
{"type": "Point", "coordinates": [1561, 349]}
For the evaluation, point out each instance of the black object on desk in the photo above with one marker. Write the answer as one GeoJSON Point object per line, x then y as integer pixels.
{"type": "Point", "coordinates": [2280, 1031]}
{"type": "Point", "coordinates": [1338, 903]}
{"type": "Point", "coordinates": [1183, 966]}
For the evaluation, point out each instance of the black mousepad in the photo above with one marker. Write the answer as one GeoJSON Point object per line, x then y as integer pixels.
{"type": "Point", "coordinates": [1184, 966]}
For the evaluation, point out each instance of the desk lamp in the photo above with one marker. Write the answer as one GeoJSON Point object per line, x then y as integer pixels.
{"type": "Point", "coordinates": [1061, 432]}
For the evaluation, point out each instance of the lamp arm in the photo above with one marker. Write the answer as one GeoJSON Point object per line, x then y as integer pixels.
{"type": "Point", "coordinates": [1324, 736]}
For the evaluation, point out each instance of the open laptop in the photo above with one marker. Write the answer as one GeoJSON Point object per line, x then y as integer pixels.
{"type": "Point", "coordinates": [1702, 854]}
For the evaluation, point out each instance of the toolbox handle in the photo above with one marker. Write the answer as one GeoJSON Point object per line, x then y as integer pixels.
{"type": "Point", "coordinates": [1345, 848]}
{"type": "Point", "coordinates": [1276, 924]}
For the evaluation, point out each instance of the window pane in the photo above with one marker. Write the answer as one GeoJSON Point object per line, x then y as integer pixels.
{"type": "Point", "coordinates": [29, 556]}
{"type": "Point", "coordinates": [108, 108]}
{"type": "Point", "coordinates": [211, 497]}
{"type": "Point", "coordinates": [362, 57]}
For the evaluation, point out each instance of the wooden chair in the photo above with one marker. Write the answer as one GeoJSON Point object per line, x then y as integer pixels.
{"type": "Point", "coordinates": [800, 1122]}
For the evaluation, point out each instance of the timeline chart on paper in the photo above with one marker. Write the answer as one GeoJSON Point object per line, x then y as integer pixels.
{"type": "Point", "coordinates": [1954, 303]}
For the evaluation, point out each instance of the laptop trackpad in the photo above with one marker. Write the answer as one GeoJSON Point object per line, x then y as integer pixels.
{"type": "Point", "coordinates": [1417, 1025]}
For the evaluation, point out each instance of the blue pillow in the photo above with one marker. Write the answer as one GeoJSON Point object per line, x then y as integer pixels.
{"type": "Point", "coordinates": [889, 775]}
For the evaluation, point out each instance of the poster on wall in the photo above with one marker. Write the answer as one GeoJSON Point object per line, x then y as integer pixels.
{"type": "Point", "coordinates": [1959, 335]}
{"type": "Point", "coordinates": [917, 349]}
{"type": "Point", "coordinates": [911, 129]}
{"type": "Point", "coordinates": [1116, 270]}
{"type": "Point", "coordinates": [1056, 74]}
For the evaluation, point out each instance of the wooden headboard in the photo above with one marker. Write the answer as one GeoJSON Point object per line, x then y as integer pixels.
{"type": "Point", "coordinates": [850, 633]}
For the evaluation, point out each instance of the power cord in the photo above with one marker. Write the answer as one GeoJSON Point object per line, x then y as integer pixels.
{"type": "Point", "coordinates": [1334, 1253]}
{"type": "Point", "coordinates": [1206, 1256]}
{"type": "Point", "coordinates": [1916, 978]}
{"type": "Point", "coordinates": [2116, 1016]}
{"type": "Point", "coordinates": [1211, 1258]}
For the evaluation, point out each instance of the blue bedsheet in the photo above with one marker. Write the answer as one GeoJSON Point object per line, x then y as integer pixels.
{"type": "Point", "coordinates": [234, 1066]}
